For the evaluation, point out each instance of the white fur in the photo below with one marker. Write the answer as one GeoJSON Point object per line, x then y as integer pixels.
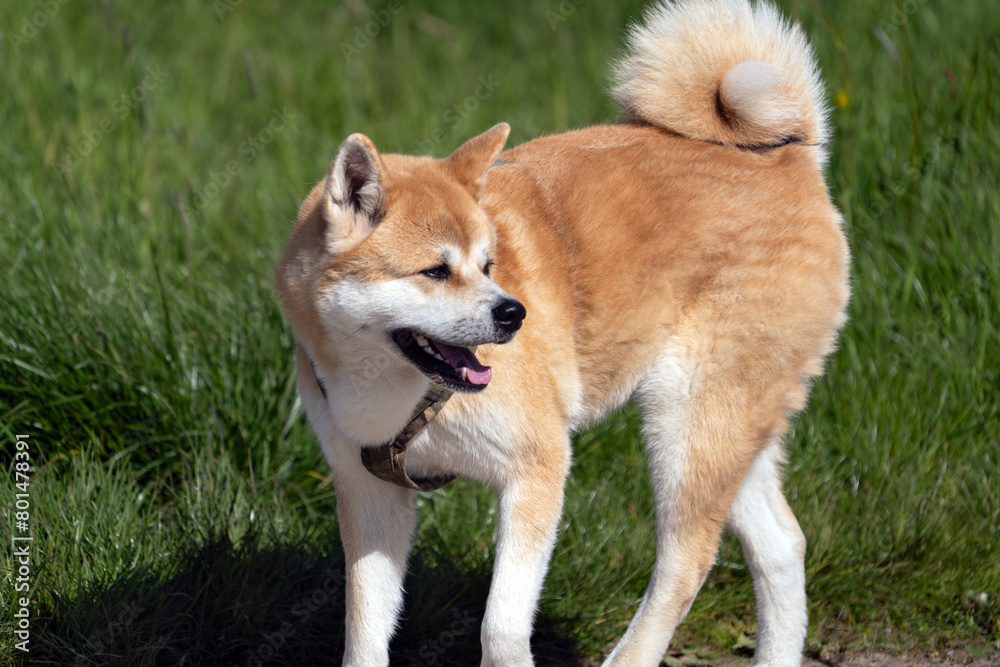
{"type": "Point", "coordinates": [447, 443]}
{"type": "Point", "coordinates": [371, 391]}
{"type": "Point", "coordinates": [775, 550]}
{"type": "Point", "coordinates": [665, 398]}
{"type": "Point", "coordinates": [518, 574]}
{"type": "Point", "coordinates": [755, 89]}
{"type": "Point", "coordinates": [376, 563]}
{"type": "Point", "coordinates": [402, 304]}
{"type": "Point", "coordinates": [687, 52]}
{"type": "Point", "coordinates": [377, 554]}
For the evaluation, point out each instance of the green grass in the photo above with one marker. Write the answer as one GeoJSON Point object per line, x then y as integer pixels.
{"type": "Point", "coordinates": [179, 506]}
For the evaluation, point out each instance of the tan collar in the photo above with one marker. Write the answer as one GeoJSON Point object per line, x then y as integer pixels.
{"type": "Point", "coordinates": [387, 461]}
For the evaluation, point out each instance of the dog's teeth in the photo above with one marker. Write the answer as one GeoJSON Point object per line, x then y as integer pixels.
{"type": "Point", "coordinates": [464, 372]}
{"type": "Point", "coordinates": [421, 340]}
{"type": "Point", "coordinates": [427, 349]}
{"type": "Point", "coordinates": [438, 356]}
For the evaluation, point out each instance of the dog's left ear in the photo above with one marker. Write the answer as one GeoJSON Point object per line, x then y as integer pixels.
{"type": "Point", "coordinates": [471, 160]}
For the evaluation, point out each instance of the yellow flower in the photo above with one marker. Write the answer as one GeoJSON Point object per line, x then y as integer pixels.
{"type": "Point", "coordinates": [841, 99]}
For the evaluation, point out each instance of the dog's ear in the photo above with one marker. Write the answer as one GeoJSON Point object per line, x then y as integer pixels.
{"type": "Point", "coordinates": [471, 160]}
{"type": "Point", "coordinates": [354, 196]}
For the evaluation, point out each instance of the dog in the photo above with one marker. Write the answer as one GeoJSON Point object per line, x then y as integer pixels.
{"type": "Point", "coordinates": [688, 258]}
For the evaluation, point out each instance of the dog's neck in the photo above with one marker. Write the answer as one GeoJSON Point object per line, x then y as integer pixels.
{"type": "Point", "coordinates": [386, 461]}
{"type": "Point", "coordinates": [370, 393]}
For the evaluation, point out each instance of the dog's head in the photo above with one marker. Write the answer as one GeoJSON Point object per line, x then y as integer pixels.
{"type": "Point", "coordinates": [395, 250]}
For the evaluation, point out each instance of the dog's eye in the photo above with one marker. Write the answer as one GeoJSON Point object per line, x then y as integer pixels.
{"type": "Point", "coordinates": [438, 272]}
{"type": "Point", "coordinates": [488, 268]}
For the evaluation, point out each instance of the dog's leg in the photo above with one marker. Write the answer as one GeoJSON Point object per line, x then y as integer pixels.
{"type": "Point", "coordinates": [527, 521]}
{"type": "Point", "coordinates": [376, 526]}
{"type": "Point", "coordinates": [775, 550]}
{"type": "Point", "coordinates": [695, 473]}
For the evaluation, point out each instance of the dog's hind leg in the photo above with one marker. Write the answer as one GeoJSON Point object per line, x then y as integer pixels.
{"type": "Point", "coordinates": [699, 449]}
{"type": "Point", "coordinates": [687, 531]}
{"type": "Point", "coordinates": [530, 504]}
{"type": "Point", "coordinates": [775, 550]}
{"type": "Point", "coordinates": [376, 526]}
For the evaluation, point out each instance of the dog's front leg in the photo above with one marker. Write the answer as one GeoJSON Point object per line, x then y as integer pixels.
{"type": "Point", "coordinates": [376, 526]}
{"type": "Point", "coordinates": [528, 518]}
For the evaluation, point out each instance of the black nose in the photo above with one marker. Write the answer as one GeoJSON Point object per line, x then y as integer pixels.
{"type": "Point", "coordinates": [508, 315]}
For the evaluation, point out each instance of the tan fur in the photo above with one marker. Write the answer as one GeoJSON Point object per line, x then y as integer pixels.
{"type": "Point", "coordinates": [742, 249]}
{"type": "Point", "coordinates": [627, 244]}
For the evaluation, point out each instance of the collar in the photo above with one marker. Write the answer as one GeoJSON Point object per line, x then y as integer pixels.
{"type": "Point", "coordinates": [387, 461]}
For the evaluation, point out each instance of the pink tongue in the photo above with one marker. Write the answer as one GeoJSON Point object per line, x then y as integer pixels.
{"type": "Point", "coordinates": [458, 357]}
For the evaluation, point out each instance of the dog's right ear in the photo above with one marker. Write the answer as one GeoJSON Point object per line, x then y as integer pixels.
{"type": "Point", "coordinates": [354, 196]}
{"type": "Point", "coordinates": [471, 160]}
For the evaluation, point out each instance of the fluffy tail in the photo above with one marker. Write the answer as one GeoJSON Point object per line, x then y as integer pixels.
{"type": "Point", "coordinates": [724, 71]}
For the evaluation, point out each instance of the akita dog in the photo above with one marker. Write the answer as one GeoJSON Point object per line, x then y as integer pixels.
{"type": "Point", "coordinates": [689, 258]}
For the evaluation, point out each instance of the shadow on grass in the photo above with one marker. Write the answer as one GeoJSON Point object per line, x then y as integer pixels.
{"type": "Point", "coordinates": [264, 602]}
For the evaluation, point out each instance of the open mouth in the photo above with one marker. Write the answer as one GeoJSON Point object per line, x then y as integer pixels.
{"type": "Point", "coordinates": [453, 367]}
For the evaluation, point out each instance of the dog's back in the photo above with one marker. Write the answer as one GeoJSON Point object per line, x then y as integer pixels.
{"type": "Point", "coordinates": [663, 238]}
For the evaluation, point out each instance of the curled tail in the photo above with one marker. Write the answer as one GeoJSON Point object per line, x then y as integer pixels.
{"type": "Point", "coordinates": [725, 71]}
